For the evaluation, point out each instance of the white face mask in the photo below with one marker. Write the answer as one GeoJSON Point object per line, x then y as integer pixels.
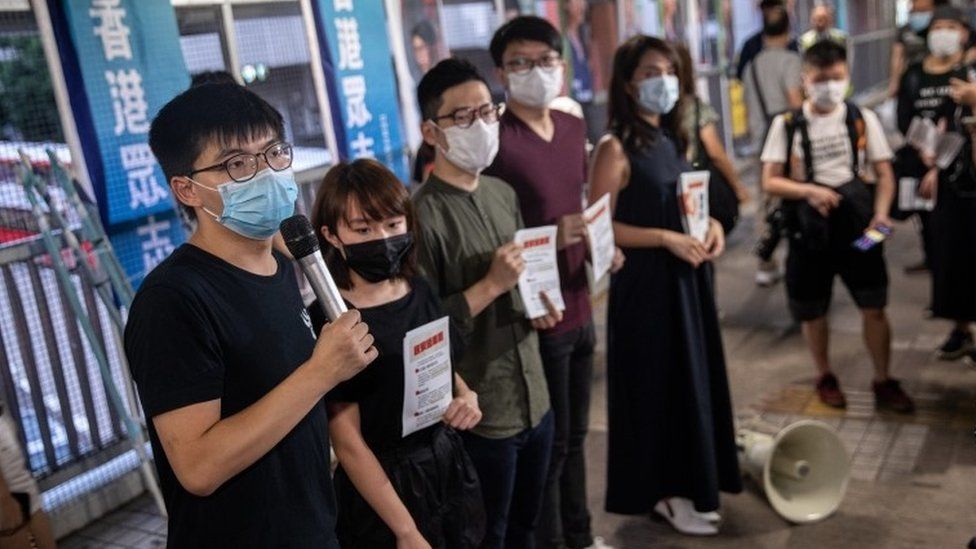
{"type": "Point", "coordinates": [829, 94]}
{"type": "Point", "coordinates": [659, 94]}
{"type": "Point", "coordinates": [945, 42]}
{"type": "Point", "coordinates": [472, 149]}
{"type": "Point", "coordinates": [537, 87]}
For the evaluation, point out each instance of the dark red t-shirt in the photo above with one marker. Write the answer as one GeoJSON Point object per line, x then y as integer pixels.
{"type": "Point", "coordinates": [548, 178]}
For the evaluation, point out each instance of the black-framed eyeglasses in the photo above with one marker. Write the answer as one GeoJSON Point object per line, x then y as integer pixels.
{"type": "Point", "coordinates": [244, 166]}
{"type": "Point", "coordinates": [465, 116]}
{"type": "Point", "coordinates": [522, 65]}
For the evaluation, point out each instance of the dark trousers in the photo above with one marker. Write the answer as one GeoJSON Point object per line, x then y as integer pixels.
{"type": "Point", "coordinates": [513, 473]}
{"type": "Point", "coordinates": [925, 232]}
{"type": "Point", "coordinates": [568, 362]}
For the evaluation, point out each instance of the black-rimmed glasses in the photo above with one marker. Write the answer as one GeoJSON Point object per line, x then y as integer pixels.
{"type": "Point", "coordinates": [244, 166]}
{"type": "Point", "coordinates": [464, 117]}
{"type": "Point", "coordinates": [522, 65]}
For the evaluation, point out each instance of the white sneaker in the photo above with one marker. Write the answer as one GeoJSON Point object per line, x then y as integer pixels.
{"type": "Point", "coordinates": [598, 543]}
{"type": "Point", "coordinates": [681, 513]}
{"type": "Point", "coordinates": [712, 516]}
{"type": "Point", "coordinates": [768, 274]}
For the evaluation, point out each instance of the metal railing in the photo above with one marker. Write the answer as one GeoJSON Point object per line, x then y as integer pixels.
{"type": "Point", "coordinates": [869, 56]}
{"type": "Point", "coordinates": [49, 378]}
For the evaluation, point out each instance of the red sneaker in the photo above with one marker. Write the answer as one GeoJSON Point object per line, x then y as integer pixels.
{"type": "Point", "coordinates": [889, 395]}
{"type": "Point", "coordinates": [828, 389]}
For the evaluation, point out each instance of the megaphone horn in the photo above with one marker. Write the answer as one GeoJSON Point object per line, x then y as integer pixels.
{"type": "Point", "coordinates": [803, 469]}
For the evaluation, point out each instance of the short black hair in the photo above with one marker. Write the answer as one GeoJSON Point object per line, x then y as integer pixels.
{"type": "Point", "coordinates": [221, 112]}
{"type": "Point", "coordinates": [824, 54]}
{"type": "Point", "coordinates": [444, 76]}
{"type": "Point", "coordinates": [527, 28]}
{"type": "Point", "coordinates": [212, 77]}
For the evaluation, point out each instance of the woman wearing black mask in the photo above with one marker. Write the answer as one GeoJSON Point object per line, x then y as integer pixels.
{"type": "Point", "coordinates": [395, 488]}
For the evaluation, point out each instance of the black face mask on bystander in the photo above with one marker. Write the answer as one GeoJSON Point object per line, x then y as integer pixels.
{"type": "Point", "coordinates": [380, 259]}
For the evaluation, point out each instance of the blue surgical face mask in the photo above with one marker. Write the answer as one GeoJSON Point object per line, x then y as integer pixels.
{"type": "Point", "coordinates": [919, 20]}
{"type": "Point", "coordinates": [256, 207]}
{"type": "Point", "coordinates": [659, 94]}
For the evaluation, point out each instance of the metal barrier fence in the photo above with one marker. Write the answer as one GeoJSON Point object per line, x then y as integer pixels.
{"type": "Point", "coordinates": [49, 377]}
{"type": "Point", "coordinates": [51, 385]}
{"type": "Point", "coordinates": [870, 59]}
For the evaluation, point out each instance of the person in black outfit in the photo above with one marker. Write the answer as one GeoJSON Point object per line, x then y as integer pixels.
{"type": "Point", "coordinates": [394, 488]}
{"type": "Point", "coordinates": [934, 90]}
{"type": "Point", "coordinates": [228, 369]}
{"type": "Point", "coordinates": [671, 439]}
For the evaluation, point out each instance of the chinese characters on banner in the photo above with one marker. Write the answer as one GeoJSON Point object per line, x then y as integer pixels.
{"type": "Point", "coordinates": [130, 64]}
{"type": "Point", "coordinates": [362, 69]}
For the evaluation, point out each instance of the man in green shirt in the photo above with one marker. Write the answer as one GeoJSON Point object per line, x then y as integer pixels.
{"type": "Point", "coordinates": [466, 250]}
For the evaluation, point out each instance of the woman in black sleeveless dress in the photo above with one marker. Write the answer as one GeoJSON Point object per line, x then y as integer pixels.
{"type": "Point", "coordinates": [671, 440]}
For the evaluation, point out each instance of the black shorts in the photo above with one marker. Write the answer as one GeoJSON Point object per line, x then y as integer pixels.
{"type": "Point", "coordinates": [810, 278]}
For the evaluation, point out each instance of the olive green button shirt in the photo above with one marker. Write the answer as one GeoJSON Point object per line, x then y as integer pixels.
{"type": "Point", "coordinates": [458, 235]}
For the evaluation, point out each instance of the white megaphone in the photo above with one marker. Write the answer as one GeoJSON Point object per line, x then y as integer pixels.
{"type": "Point", "coordinates": [803, 469]}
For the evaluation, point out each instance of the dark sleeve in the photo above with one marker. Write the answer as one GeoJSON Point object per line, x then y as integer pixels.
{"type": "Point", "coordinates": [173, 351]}
{"type": "Point", "coordinates": [348, 391]}
{"type": "Point", "coordinates": [750, 49]}
{"type": "Point", "coordinates": [906, 93]}
{"type": "Point", "coordinates": [317, 316]}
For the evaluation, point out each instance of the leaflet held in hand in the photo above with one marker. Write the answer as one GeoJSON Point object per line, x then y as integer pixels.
{"type": "Point", "coordinates": [908, 198]}
{"type": "Point", "coordinates": [599, 229]}
{"type": "Point", "coordinates": [541, 272]}
{"type": "Point", "coordinates": [427, 384]}
{"type": "Point", "coordinates": [693, 200]}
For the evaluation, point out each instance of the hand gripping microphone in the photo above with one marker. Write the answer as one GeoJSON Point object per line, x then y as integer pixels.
{"type": "Point", "coordinates": [304, 247]}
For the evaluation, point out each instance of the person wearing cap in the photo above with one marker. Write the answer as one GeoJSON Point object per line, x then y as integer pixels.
{"type": "Point", "coordinates": [936, 89]}
{"type": "Point", "coordinates": [822, 20]}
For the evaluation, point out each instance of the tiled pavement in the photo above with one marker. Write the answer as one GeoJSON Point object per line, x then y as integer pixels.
{"type": "Point", "coordinates": [136, 526]}
{"type": "Point", "coordinates": [913, 477]}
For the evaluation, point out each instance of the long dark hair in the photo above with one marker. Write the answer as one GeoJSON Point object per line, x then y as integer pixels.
{"type": "Point", "coordinates": [625, 119]}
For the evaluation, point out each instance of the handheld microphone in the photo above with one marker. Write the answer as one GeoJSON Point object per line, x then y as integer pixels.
{"type": "Point", "coordinates": [304, 247]}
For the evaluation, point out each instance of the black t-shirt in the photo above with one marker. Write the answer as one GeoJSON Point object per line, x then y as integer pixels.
{"type": "Point", "coordinates": [379, 388]}
{"type": "Point", "coordinates": [927, 95]}
{"type": "Point", "coordinates": [201, 329]}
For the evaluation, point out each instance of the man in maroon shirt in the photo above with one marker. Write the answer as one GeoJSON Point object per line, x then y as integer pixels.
{"type": "Point", "coordinates": [542, 155]}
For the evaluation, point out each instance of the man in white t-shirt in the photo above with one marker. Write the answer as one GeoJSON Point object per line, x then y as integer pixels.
{"type": "Point", "coordinates": [828, 206]}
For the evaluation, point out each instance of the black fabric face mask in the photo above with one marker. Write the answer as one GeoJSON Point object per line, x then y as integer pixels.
{"type": "Point", "coordinates": [378, 260]}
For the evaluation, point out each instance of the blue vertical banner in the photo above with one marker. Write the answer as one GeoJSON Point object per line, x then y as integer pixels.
{"type": "Point", "coordinates": [359, 65]}
{"type": "Point", "coordinates": [123, 62]}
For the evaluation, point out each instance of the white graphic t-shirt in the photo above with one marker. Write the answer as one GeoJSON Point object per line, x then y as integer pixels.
{"type": "Point", "coordinates": [830, 144]}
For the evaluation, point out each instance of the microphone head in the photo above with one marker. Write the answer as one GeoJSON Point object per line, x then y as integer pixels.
{"type": "Point", "coordinates": [299, 236]}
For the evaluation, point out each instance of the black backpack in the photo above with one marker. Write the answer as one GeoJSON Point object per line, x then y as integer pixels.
{"type": "Point", "coordinates": [723, 205]}
{"type": "Point", "coordinates": [796, 121]}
